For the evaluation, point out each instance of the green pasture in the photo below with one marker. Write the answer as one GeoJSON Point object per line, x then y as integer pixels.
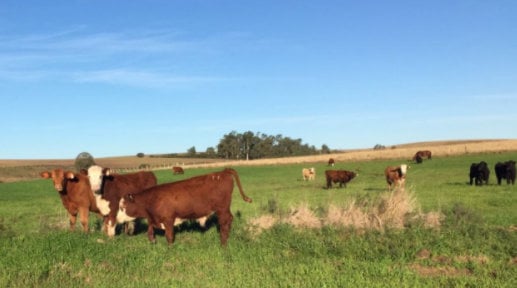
{"type": "Point", "coordinates": [476, 245]}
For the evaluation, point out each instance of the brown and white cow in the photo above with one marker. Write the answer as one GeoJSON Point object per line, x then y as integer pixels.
{"type": "Point", "coordinates": [396, 175]}
{"type": "Point", "coordinates": [109, 188]}
{"type": "Point", "coordinates": [308, 173]}
{"type": "Point", "coordinates": [177, 170]}
{"type": "Point", "coordinates": [331, 162]}
{"type": "Point", "coordinates": [191, 198]}
{"type": "Point", "coordinates": [75, 193]}
{"type": "Point", "coordinates": [339, 176]}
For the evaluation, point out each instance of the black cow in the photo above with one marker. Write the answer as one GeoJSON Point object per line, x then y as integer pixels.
{"type": "Point", "coordinates": [506, 171]}
{"type": "Point", "coordinates": [479, 172]}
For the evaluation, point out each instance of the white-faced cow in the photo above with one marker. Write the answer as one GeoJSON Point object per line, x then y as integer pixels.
{"type": "Point", "coordinates": [308, 173]}
{"type": "Point", "coordinates": [192, 198]}
{"type": "Point", "coordinates": [75, 193]}
{"type": "Point", "coordinates": [396, 175]}
{"type": "Point", "coordinates": [110, 187]}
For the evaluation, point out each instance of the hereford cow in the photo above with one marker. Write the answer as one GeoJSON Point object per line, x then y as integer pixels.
{"type": "Point", "coordinates": [308, 173]}
{"type": "Point", "coordinates": [506, 171]}
{"type": "Point", "coordinates": [339, 176]}
{"type": "Point", "coordinates": [192, 198]}
{"type": "Point", "coordinates": [76, 195]}
{"type": "Point", "coordinates": [396, 175]}
{"type": "Point", "coordinates": [479, 172]}
{"type": "Point", "coordinates": [177, 170]}
{"type": "Point", "coordinates": [109, 188]}
{"type": "Point", "coordinates": [422, 154]}
{"type": "Point", "coordinates": [331, 162]}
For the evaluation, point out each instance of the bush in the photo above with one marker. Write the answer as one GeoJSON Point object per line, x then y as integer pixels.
{"type": "Point", "coordinates": [84, 161]}
{"type": "Point", "coordinates": [140, 155]}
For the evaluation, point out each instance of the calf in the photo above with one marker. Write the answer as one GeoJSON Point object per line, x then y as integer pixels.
{"type": "Point", "coordinates": [308, 173]}
{"type": "Point", "coordinates": [177, 170]}
{"type": "Point", "coordinates": [396, 175]}
{"type": "Point", "coordinates": [109, 188]}
{"type": "Point", "coordinates": [75, 193]}
{"type": "Point", "coordinates": [192, 198]}
{"type": "Point", "coordinates": [339, 176]}
{"type": "Point", "coordinates": [506, 171]}
{"type": "Point", "coordinates": [479, 173]}
{"type": "Point", "coordinates": [331, 162]}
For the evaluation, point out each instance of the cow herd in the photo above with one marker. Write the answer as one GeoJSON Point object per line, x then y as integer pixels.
{"type": "Point", "coordinates": [122, 198]}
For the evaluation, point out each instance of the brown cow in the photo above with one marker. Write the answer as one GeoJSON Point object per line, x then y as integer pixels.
{"type": "Point", "coordinates": [109, 188]}
{"type": "Point", "coordinates": [76, 195]}
{"type": "Point", "coordinates": [177, 170]}
{"type": "Point", "coordinates": [308, 173]}
{"type": "Point", "coordinates": [339, 176]}
{"type": "Point", "coordinates": [331, 162]}
{"type": "Point", "coordinates": [192, 198]}
{"type": "Point", "coordinates": [396, 175]}
{"type": "Point", "coordinates": [419, 155]}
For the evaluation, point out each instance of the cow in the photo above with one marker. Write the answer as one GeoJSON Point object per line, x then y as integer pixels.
{"type": "Point", "coordinates": [75, 193]}
{"type": "Point", "coordinates": [418, 159]}
{"type": "Point", "coordinates": [396, 175]}
{"type": "Point", "coordinates": [308, 173]}
{"type": "Point", "coordinates": [506, 171]}
{"type": "Point", "coordinates": [191, 198]}
{"type": "Point", "coordinates": [331, 162]}
{"type": "Point", "coordinates": [339, 176]}
{"type": "Point", "coordinates": [109, 188]}
{"type": "Point", "coordinates": [177, 170]}
{"type": "Point", "coordinates": [479, 173]}
{"type": "Point", "coordinates": [422, 154]}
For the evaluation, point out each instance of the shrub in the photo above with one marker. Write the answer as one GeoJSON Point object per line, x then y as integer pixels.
{"type": "Point", "coordinates": [84, 161]}
{"type": "Point", "coordinates": [140, 155]}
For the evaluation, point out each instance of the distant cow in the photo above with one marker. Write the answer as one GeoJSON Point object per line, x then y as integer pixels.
{"type": "Point", "coordinates": [339, 176]}
{"type": "Point", "coordinates": [422, 154]}
{"type": "Point", "coordinates": [418, 159]}
{"type": "Point", "coordinates": [192, 198]}
{"type": "Point", "coordinates": [177, 170]}
{"type": "Point", "coordinates": [479, 173]}
{"type": "Point", "coordinates": [331, 162]}
{"type": "Point", "coordinates": [309, 173]}
{"type": "Point", "coordinates": [109, 188]}
{"type": "Point", "coordinates": [506, 171]}
{"type": "Point", "coordinates": [396, 175]}
{"type": "Point", "coordinates": [76, 195]}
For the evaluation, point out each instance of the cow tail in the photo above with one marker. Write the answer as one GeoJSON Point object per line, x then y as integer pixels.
{"type": "Point", "coordinates": [236, 176]}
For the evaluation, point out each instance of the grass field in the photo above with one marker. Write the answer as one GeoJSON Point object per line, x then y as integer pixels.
{"type": "Point", "coordinates": [475, 244]}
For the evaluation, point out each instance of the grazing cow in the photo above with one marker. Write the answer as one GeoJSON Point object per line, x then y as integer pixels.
{"type": "Point", "coordinates": [109, 188]}
{"type": "Point", "coordinates": [418, 159]}
{"type": "Point", "coordinates": [339, 176]}
{"type": "Point", "coordinates": [479, 172]}
{"type": "Point", "coordinates": [422, 154]}
{"type": "Point", "coordinates": [76, 195]}
{"type": "Point", "coordinates": [192, 198]}
{"type": "Point", "coordinates": [506, 171]}
{"type": "Point", "coordinates": [309, 173]}
{"type": "Point", "coordinates": [396, 175]}
{"type": "Point", "coordinates": [177, 170]}
{"type": "Point", "coordinates": [331, 162]}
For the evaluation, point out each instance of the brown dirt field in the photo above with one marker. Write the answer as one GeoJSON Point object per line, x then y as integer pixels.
{"type": "Point", "coordinates": [402, 151]}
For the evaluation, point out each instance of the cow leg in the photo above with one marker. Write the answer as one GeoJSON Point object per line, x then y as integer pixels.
{"type": "Point", "coordinates": [72, 220]}
{"type": "Point", "coordinates": [83, 214]}
{"type": "Point", "coordinates": [225, 224]}
{"type": "Point", "coordinates": [129, 227]}
{"type": "Point", "coordinates": [150, 232]}
{"type": "Point", "coordinates": [169, 231]}
{"type": "Point", "coordinates": [110, 226]}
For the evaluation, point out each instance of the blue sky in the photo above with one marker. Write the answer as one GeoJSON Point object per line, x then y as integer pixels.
{"type": "Point", "coordinates": [121, 77]}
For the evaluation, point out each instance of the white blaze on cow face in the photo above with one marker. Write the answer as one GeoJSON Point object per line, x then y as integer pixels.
{"type": "Point", "coordinates": [95, 176]}
{"type": "Point", "coordinates": [403, 169]}
{"type": "Point", "coordinates": [121, 213]}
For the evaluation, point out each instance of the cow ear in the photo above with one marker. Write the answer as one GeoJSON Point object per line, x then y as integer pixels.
{"type": "Point", "coordinates": [45, 174]}
{"type": "Point", "coordinates": [106, 172]}
{"type": "Point", "coordinates": [69, 175]}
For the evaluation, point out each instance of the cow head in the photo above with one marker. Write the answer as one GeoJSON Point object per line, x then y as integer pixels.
{"type": "Point", "coordinates": [96, 176]}
{"type": "Point", "coordinates": [403, 169]}
{"type": "Point", "coordinates": [59, 177]}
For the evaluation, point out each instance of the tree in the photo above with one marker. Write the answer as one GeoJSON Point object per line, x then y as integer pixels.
{"type": "Point", "coordinates": [210, 152]}
{"type": "Point", "coordinates": [84, 161]}
{"type": "Point", "coordinates": [192, 151]}
{"type": "Point", "coordinates": [325, 149]}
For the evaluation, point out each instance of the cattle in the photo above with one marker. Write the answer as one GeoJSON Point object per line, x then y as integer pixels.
{"type": "Point", "coordinates": [75, 193]}
{"type": "Point", "coordinates": [331, 162]}
{"type": "Point", "coordinates": [308, 173]}
{"type": "Point", "coordinates": [506, 171]}
{"type": "Point", "coordinates": [479, 173]}
{"type": "Point", "coordinates": [177, 170]}
{"type": "Point", "coordinates": [422, 154]}
{"type": "Point", "coordinates": [191, 198]}
{"type": "Point", "coordinates": [339, 176]}
{"type": "Point", "coordinates": [418, 159]}
{"type": "Point", "coordinates": [109, 188]}
{"type": "Point", "coordinates": [396, 175]}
